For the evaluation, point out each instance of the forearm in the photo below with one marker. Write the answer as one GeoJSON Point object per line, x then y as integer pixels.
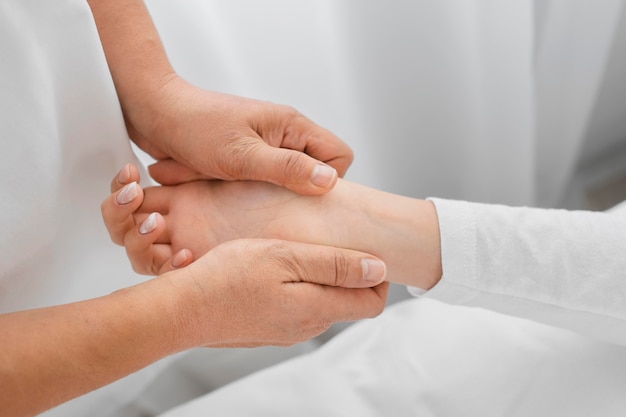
{"type": "Point", "coordinates": [51, 355]}
{"type": "Point", "coordinates": [134, 52]}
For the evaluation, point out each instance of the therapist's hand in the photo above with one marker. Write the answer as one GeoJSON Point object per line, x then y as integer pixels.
{"type": "Point", "coordinates": [208, 134]}
{"type": "Point", "coordinates": [198, 134]}
{"type": "Point", "coordinates": [247, 293]}
{"type": "Point", "coordinates": [244, 293]}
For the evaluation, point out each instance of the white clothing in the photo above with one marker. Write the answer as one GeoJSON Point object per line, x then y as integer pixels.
{"type": "Point", "coordinates": [426, 358]}
{"type": "Point", "coordinates": [563, 268]}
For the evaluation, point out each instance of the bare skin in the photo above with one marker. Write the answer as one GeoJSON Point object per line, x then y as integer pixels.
{"type": "Point", "coordinates": [244, 293]}
{"type": "Point", "coordinates": [197, 216]}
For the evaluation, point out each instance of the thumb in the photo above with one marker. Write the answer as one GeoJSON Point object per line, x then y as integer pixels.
{"type": "Point", "coordinates": [288, 168]}
{"type": "Point", "coordinates": [326, 265]}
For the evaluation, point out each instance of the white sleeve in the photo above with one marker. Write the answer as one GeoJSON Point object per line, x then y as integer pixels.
{"type": "Point", "coordinates": [564, 268]}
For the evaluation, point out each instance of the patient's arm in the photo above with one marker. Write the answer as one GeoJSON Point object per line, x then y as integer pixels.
{"type": "Point", "coordinates": [563, 268]}
{"type": "Point", "coordinates": [200, 215]}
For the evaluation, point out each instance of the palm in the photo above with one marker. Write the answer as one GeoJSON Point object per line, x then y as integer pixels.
{"type": "Point", "coordinates": [202, 214]}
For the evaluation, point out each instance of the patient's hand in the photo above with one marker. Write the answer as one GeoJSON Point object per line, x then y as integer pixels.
{"type": "Point", "coordinates": [200, 215]}
{"type": "Point", "coordinates": [169, 226]}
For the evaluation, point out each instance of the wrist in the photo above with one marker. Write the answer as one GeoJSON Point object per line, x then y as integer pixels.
{"type": "Point", "coordinates": [182, 306]}
{"type": "Point", "coordinates": [402, 231]}
{"type": "Point", "coordinates": [161, 307]}
{"type": "Point", "coordinates": [147, 106]}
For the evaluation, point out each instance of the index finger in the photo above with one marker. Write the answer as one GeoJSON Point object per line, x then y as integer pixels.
{"type": "Point", "coordinates": [319, 143]}
{"type": "Point", "coordinates": [349, 304]}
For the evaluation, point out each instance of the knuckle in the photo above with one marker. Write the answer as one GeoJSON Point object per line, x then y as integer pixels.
{"type": "Point", "coordinates": [377, 309]}
{"type": "Point", "coordinates": [349, 157]}
{"type": "Point", "coordinates": [241, 159]}
{"type": "Point", "coordinates": [142, 265]}
{"type": "Point", "coordinates": [341, 269]}
{"type": "Point", "coordinates": [136, 267]}
{"type": "Point", "coordinates": [287, 260]}
{"type": "Point", "coordinates": [293, 165]}
{"type": "Point", "coordinates": [380, 307]}
{"type": "Point", "coordinates": [287, 113]}
{"type": "Point", "coordinates": [149, 268]}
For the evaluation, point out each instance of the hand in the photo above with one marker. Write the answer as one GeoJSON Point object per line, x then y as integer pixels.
{"type": "Point", "coordinates": [197, 216]}
{"type": "Point", "coordinates": [200, 215]}
{"type": "Point", "coordinates": [241, 294]}
{"type": "Point", "coordinates": [202, 134]}
{"type": "Point", "coordinates": [197, 134]}
{"type": "Point", "coordinates": [267, 292]}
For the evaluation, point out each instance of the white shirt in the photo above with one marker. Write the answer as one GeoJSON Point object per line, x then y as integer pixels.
{"type": "Point", "coordinates": [564, 268]}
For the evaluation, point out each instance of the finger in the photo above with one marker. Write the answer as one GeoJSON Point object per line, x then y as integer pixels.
{"type": "Point", "coordinates": [158, 199]}
{"type": "Point", "coordinates": [320, 143]}
{"type": "Point", "coordinates": [181, 259]}
{"type": "Point", "coordinates": [285, 167]}
{"type": "Point", "coordinates": [118, 209]}
{"type": "Point", "coordinates": [171, 172]}
{"type": "Point", "coordinates": [147, 257]}
{"type": "Point", "coordinates": [129, 173]}
{"type": "Point", "coordinates": [330, 266]}
{"type": "Point", "coordinates": [349, 304]}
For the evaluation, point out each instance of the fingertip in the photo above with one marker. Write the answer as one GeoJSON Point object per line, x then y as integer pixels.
{"type": "Point", "coordinates": [324, 176]}
{"type": "Point", "coordinates": [182, 258]}
{"type": "Point", "coordinates": [374, 271]}
{"type": "Point", "coordinates": [127, 194]}
{"type": "Point", "coordinates": [149, 224]}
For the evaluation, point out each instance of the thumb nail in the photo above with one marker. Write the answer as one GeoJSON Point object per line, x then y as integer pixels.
{"type": "Point", "coordinates": [323, 176]}
{"type": "Point", "coordinates": [374, 271]}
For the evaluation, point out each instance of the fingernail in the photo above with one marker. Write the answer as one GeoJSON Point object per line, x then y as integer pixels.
{"type": "Point", "coordinates": [124, 176]}
{"type": "Point", "coordinates": [127, 194]}
{"type": "Point", "coordinates": [373, 270]}
{"type": "Point", "coordinates": [323, 176]}
{"type": "Point", "coordinates": [179, 259]}
{"type": "Point", "coordinates": [148, 225]}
